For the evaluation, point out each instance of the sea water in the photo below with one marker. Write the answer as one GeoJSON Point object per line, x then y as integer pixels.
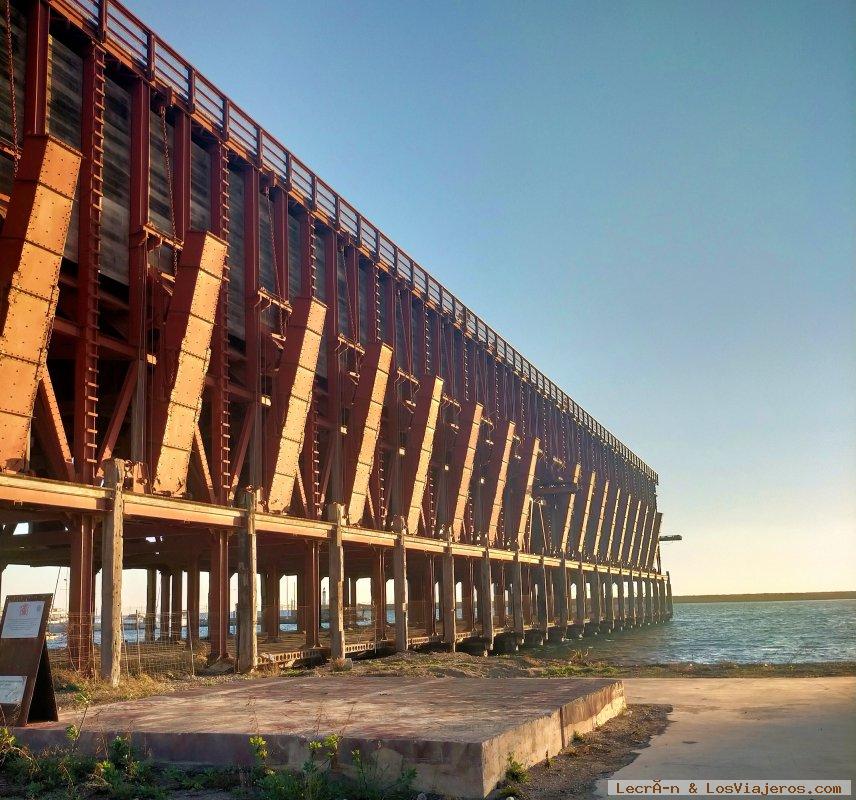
{"type": "Point", "coordinates": [770, 632]}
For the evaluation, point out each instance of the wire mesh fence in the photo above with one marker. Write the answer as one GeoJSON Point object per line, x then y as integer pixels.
{"type": "Point", "coordinates": [421, 619]}
{"type": "Point", "coordinates": [153, 644]}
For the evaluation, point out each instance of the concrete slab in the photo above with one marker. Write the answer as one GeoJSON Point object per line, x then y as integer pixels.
{"type": "Point", "coordinates": [456, 732]}
{"type": "Point", "coordinates": [732, 728]}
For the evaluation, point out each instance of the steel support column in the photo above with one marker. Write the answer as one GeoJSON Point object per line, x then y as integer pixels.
{"type": "Point", "coordinates": [247, 600]}
{"type": "Point", "coordinates": [399, 570]}
{"type": "Point", "coordinates": [31, 246]}
{"type": "Point", "coordinates": [111, 575]}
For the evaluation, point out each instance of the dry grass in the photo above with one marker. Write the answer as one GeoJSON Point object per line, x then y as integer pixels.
{"type": "Point", "coordinates": [551, 661]}
{"type": "Point", "coordinates": [75, 691]}
{"type": "Point", "coordinates": [594, 756]}
{"type": "Point", "coordinates": [568, 661]}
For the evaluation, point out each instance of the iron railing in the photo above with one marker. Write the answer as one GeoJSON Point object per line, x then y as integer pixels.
{"type": "Point", "coordinates": [136, 44]}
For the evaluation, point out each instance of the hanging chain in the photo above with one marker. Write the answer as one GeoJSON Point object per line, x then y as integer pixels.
{"type": "Point", "coordinates": [11, 67]}
{"type": "Point", "coordinates": [168, 166]}
{"type": "Point", "coordinates": [276, 281]}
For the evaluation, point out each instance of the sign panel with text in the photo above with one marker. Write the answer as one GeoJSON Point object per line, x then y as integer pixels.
{"type": "Point", "coordinates": [26, 686]}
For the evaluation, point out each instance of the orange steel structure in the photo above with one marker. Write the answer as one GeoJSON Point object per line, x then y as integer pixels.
{"type": "Point", "coordinates": [282, 389]}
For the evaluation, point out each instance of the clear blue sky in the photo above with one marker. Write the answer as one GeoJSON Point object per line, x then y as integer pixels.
{"type": "Point", "coordinates": [654, 201]}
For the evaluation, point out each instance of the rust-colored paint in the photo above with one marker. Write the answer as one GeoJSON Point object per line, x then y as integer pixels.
{"type": "Point", "coordinates": [294, 381]}
{"type": "Point", "coordinates": [50, 430]}
{"type": "Point", "coordinates": [420, 442]}
{"type": "Point", "coordinates": [31, 248]}
{"type": "Point", "coordinates": [566, 517]}
{"type": "Point", "coordinates": [653, 542]}
{"type": "Point", "coordinates": [632, 525]}
{"type": "Point", "coordinates": [602, 516]}
{"type": "Point", "coordinates": [645, 538]}
{"type": "Point", "coordinates": [612, 516]}
{"type": "Point", "coordinates": [180, 371]}
{"type": "Point", "coordinates": [618, 539]}
{"type": "Point", "coordinates": [638, 534]}
{"type": "Point", "coordinates": [463, 461]}
{"type": "Point", "coordinates": [364, 427]}
{"type": "Point", "coordinates": [520, 505]}
{"type": "Point", "coordinates": [495, 477]}
{"type": "Point", "coordinates": [102, 335]}
{"type": "Point", "coordinates": [584, 522]}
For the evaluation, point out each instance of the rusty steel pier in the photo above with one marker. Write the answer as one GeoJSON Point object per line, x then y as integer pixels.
{"type": "Point", "coordinates": [212, 362]}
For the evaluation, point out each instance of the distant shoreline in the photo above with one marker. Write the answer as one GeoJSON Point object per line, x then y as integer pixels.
{"type": "Point", "coordinates": [762, 598]}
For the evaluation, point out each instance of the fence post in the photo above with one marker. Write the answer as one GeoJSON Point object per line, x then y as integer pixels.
{"type": "Point", "coordinates": [447, 603]}
{"type": "Point", "coordinates": [139, 657]}
{"type": "Point", "coordinates": [336, 573]}
{"type": "Point", "coordinates": [486, 599]}
{"type": "Point", "coordinates": [247, 640]}
{"type": "Point", "coordinates": [111, 578]}
{"type": "Point", "coordinates": [399, 564]}
{"type": "Point", "coordinates": [190, 642]}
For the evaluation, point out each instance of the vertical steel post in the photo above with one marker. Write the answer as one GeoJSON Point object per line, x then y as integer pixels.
{"type": "Point", "coordinates": [399, 564]}
{"type": "Point", "coordinates": [111, 575]}
{"type": "Point", "coordinates": [247, 601]}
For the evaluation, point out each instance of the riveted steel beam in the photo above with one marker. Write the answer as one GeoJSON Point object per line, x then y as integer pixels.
{"type": "Point", "coordinates": [292, 398]}
{"type": "Point", "coordinates": [586, 513]}
{"type": "Point", "coordinates": [495, 477]}
{"type": "Point", "coordinates": [31, 248]}
{"type": "Point", "coordinates": [520, 505]}
{"type": "Point", "coordinates": [621, 526]}
{"type": "Point", "coordinates": [653, 542]}
{"type": "Point", "coordinates": [638, 534]}
{"type": "Point", "coordinates": [461, 466]}
{"type": "Point", "coordinates": [180, 372]}
{"type": "Point", "coordinates": [645, 538]}
{"type": "Point", "coordinates": [630, 530]}
{"type": "Point", "coordinates": [567, 504]}
{"type": "Point", "coordinates": [609, 519]}
{"type": "Point", "coordinates": [607, 503]}
{"type": "Point", "coordinates": [364, 427]}
{"type": "Point", "coordinates": [420, 442]}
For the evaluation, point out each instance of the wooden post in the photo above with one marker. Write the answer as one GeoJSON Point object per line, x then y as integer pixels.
{"type": "Point", "coordinates": [630, 605]}
{"type": "Point", "coordinates": [646, 587]}
{"type": "Point", "coordinates": [336, 576]}
{"type": "Point", "coordinates": [486, 599]}
{"type": "Point", "coordinates": [111, 575]}
{"type": "Point", "coordinates": [622, 610]}
{"type": "Point", "coordinates": [562, 596]}
{"type": "Point", "coordinates": [247, 640]}
{"type": "Point", "coordinates": [608, 623]}
{"type": "Point", "coordinates": [543, 600]}
{"type": "Point", "coordinates": [151, 603]}
{"type": "Point", "coordinates": [669, 605]}
{"type": "Point", "coordinates": [448, 598]}
{"type": "Point", "coordinates": [580, 611]}
{"type": "Point", "coordinates": [399, 576]}
{"type": "Point", "coordinates": [176, 597]}
{"type": "Point", "coordinates": [165, 583]}
{"type": "Point", "coordinates": [271, 603]}
{"type": "Point", "coordinates": [517, 595]}
{"type": "Point", "coordinates": [193, 602]}
{"type": "Point", "coordinates": [596, 615]}
{"type": "Point", "coordinates": [312, 595]}
{"type": "Point", "coordinates": [379, 595]}
{"type": "Point", "coordinates": [467, 595]}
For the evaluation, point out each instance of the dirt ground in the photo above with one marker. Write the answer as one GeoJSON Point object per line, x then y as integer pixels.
{"type": "Point", "coordinates": [552, 660]}
{"type": "Point", "coordinates": [573, 773]}
{"type": "Point", "coordinates": [566, 661]}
